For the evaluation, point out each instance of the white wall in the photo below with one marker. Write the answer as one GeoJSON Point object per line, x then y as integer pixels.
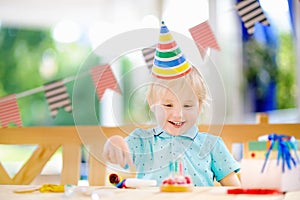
{"type": "Point", "coordinates": [226, 26]}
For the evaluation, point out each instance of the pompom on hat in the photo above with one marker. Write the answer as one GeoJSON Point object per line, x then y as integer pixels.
{"type": "Point", "coordinates": [169, 62]}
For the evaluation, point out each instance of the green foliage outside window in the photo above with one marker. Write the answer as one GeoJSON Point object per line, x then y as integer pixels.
{"type": "Point", "coordinates": [262, 68]}
{"type": "Point", "coordinates": [286, 58]}
{"type": "Point", "coordinates": [22, 53]}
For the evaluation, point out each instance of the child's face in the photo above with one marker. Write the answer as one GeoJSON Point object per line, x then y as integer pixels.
{"type": "Point", "coordinates": [177, 110]}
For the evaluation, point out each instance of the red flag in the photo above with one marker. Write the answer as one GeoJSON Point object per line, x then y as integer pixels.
{"type": "Point", "coordinates": [9, 111]}
{"type": "Point", "coordinates": [204, 37]}
{"type": "Point", "coordinates": [103, 78]}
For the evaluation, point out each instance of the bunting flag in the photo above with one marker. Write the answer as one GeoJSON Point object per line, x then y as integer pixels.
{"type": "Point", "coordinates": [9, 111]}
{"type": "Point", "coordinates": [57, 97]}
{"type": "Point", "coordinates": [148, 54]}
{"type": "Point", "coordinates": [204, 37]}
{"type": "Point", "coordinates": [103, 79]}
{"type": "Point", "coordinates": [251, 12]}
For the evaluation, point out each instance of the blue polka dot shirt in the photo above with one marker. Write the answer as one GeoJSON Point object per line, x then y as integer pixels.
{"type": "Point", "coordinates": [205, 157]}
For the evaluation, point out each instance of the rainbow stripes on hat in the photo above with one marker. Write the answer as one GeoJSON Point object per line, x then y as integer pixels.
{"type": "Point", "coordinates": [169, 62]}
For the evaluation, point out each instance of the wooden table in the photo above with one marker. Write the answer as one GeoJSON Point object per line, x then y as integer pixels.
{"type": "Point", "coordinates": [97, 193]}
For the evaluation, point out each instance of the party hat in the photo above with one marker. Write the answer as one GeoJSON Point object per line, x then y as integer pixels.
{"type": "Point", "coordinates": [169, 62]}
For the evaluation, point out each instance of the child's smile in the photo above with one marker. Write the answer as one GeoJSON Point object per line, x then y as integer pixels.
{"type": "Point", "coordinates": [177, 109]}
{"type": "Point", "coordinates": [176, 124]}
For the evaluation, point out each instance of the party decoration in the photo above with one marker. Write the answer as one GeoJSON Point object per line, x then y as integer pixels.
{"type": "Point", "coordinates": [148, 54]}
{"type": "Point", "coordinates": [57, 97]}
{"type": "Point", "coordinates": [166, 57]}
{"type": "Point", "coordinates": [119, 182]}
{"type": "Point", "coordinates": [9, 111]}
{"type": "Point", "coordinates": [251, 12]}
{"type": "Point", "coordinates": [43, 188]}
{"type": "Point", "coordinates": [169, 62]}
{"type": "Point", "coordinates": [254, 191]}
{"type": "Point", "coordinates": [56, 94]}
{"type": "Point", "coordinates": [204, 37]}
{"type": "Point", "coordinates": [177, 181]}
{"type": "Point", "coordinates": [273, 164]}
{"type": "Point", "coordinates": [284, 147]}
{"type": "Point", "coordinates": [103, 79]}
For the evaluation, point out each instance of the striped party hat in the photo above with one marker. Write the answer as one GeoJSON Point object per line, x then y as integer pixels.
{"type": "Point", "coordinates": [169, 62]}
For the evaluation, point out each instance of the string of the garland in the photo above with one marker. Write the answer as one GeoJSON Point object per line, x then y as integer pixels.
{"type": "Point", "coordinates": [41, 88]}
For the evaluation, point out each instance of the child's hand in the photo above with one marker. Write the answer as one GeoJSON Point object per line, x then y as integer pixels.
{"type": "Point", "coordinates": [116, 151]}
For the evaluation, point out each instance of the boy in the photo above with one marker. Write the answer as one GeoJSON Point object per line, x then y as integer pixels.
{"type": "Point", "coordinates": [175, 96]}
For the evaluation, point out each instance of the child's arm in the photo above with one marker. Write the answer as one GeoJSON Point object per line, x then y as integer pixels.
{"type": "Point", "coordinates": [117, 151]}
{"type": "Point", "coordinates": [230, 180]}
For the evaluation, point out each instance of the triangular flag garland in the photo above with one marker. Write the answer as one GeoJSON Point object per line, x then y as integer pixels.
{"type": "Point", "coordinates": [204, 37]}
{"type": "Point", "coordinates": [103, 79]}
{"type": "Point", "coordinates": [149, 54]}
{"type": "Point", "coordinates": [57, 97]}
{"type": "Point", "coordinates": [56, 93]}
{"type": "Point", "coordinates": [102, 76]}
{"type": "Point", "coordinates": [251, 12]}
{"type": "Point", "coordinates": [9, 111]}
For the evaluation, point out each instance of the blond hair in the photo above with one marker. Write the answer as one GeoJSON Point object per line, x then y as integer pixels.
{"type": "Point", "coordinates": [193, 79]}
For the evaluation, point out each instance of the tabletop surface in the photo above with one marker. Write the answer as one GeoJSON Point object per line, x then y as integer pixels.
{"type": "Point", "coordinates": [97, 193]}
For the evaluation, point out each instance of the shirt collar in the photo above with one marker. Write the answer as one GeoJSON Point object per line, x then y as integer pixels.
{"type": "Point", "coordinates": [191, 133]}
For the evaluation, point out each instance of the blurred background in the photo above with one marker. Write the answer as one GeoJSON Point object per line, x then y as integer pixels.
{"type": "Point", "coordinates": [42, 41]}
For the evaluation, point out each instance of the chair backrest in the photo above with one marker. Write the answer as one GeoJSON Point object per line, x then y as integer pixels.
{"type": "Point", "coordinates": [71, 139]}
